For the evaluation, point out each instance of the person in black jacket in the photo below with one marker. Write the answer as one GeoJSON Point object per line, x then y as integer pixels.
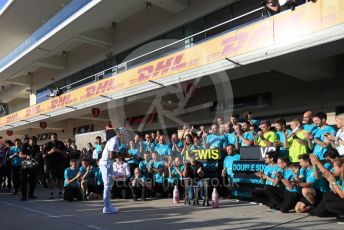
{"type": "Point", "coordinates": [29, 151]}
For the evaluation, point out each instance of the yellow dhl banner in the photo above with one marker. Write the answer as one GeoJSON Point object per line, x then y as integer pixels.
{"type": "Point", "coordinates": [284, 27]}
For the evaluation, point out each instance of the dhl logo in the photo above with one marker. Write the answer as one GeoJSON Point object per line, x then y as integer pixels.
{"type": "Point", "coordinates": [205, 154]}
{"type": "Point", "coordinates": [100, 88]}
{"type": "Point", "coordinates": [33, 111]}
{"type": "Point", "coordinates": [60, 101]}
{"type": "Point", "coordinates": [246, 39]}
{"type": "Point", "coordinates": [161, 68]}
{"type": "Point", "coordinates": [11, 118]}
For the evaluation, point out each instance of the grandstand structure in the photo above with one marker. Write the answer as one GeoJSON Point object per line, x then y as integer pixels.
{"type": "Point", "coordinates": [72, 67]}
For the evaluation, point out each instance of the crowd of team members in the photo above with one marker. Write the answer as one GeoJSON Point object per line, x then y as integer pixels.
{"type": "Point", "coordinates": [305, 172]}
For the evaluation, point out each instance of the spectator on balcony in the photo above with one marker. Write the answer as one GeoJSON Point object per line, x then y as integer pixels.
{"type": "Point", "coordinates": [265, 137]}
{"type": "Point", "coordinates": [272, 7]}
{"type": "Point", "coordinates": [321, 144]}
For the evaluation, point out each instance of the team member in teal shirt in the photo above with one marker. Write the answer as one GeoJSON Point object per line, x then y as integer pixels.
{"type": "Point", "coordinates": [318, 136]}
{"type": "Point", "coordinates": [333, 202]}
{"type": "Point", "coordinates": [288, 196]}
{"type": "Point", "coordinates": [268, 177]}
{"type": "Point", "coordinates": [135, 156]}
{"type": "Point", "coordinates": [214, 139]}
{"type": "Point", "coordinates": [71, 184]}
{"type": "Point", "coordinates": [98, 150]}
{"type": "Point", "coordinates": [311, 182]}
{"type": "Point", "coordinates": [176, 145]}
{"type": "Point", "coordinates": [87, 178]}
{"type": "Point", "coordinates": [99, 186]}
{"type": "Point", "coordinates": [227, 171]}
{"type": "Point", "coordinates": [245, 135]}
{"type": "Point", "coordinates": [163, 149]}
{"type": "Point", "coordinates": [16, 164]}
{"type": "Point", "coordinates": [156, 167]}
{"type": "Point", "coordinates": [282, 133]}
{"type": "Point", "coordinates": [148, 143]}
{"type": "Point", "coordinates": [307, 122]}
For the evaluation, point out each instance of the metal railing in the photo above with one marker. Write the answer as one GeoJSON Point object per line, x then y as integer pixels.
{"type": "Point", "coordinates": [114, 70]}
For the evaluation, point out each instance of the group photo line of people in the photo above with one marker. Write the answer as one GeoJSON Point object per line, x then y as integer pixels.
{"type": "Point", "coordinates": [304, 174]}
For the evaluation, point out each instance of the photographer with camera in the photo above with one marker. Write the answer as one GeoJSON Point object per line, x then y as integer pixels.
{"type": "Point", "coordinates": [28, 153]}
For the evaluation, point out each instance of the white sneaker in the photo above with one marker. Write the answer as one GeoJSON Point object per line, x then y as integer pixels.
{"type": "Point", "coordinates": [110, 210]}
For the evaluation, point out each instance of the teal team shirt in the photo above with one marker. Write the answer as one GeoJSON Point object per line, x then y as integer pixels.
{"type": "Point", "coordinates": [143, 166]}
{"type": "Point", "coordinates": [158, 177]}
{"type": "Point", "coordinates": [288, 174]}
{"type": "Point", "coordinates": [231, 138]}
{"type": "Point", "coordinates": [270, 171]}
{"type": "Point", "coordinates": [308, 176]}
{"type": "Point", "coordinates": [90, 175]}
{"type": "Point", "coordinates": [310, 127]}
{"type": "Point", "coordinates": [319, 134]}
{"type": "Point", "coordinates": [98, 176]}
{"type": "Point", "coordinates": [180, 145]}
{"type": "Point", "coordinates": [132, 153]}
{"type": "Point", "coordinates": [283, 151]}
{"type": "Point", "coordinates": [163, 150]}
{"type": "Point", "coordinates": [228, 164]}
{"type": "Point", "coordinates": [216, 141]}
{"type": "Point", "coordinates": [69, 173]}
{"type": "Point", "coordinates": [248, 136]}
{"type": "Point", "coordinates": [16, 161]}
{"type": "Point", "coordinates": [148, 146]}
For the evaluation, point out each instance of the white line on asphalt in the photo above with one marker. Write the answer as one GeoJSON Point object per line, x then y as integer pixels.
{"type": "Point", "coordinates": [50, 215]}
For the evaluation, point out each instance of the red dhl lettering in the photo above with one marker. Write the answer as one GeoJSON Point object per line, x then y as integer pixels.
{"type": "Point", "coordinates": [33, 111]}
{"type": "Point", "coordinates": [161, 68]}
{"type": "Point", "coordinates": [11, 118]}
{"type": "Point", "coordinates": [100, 88]}
{"type": "Point", "coordinates": [235, 43]}
{"type": "Point", "coordinates": [60, 101]}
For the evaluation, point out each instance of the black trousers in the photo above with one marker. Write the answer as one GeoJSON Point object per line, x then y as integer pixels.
{"type": "Point", "coordinates": [72, 192]}
{"type": "Point", "coordinates": [282, 198]}
{"type": "Point", "coordinates": [330, 205]}
{"type": "Point", "coordinates": [27, 178]}
{"type": "Point", "coordinates": [9, 175]}
{"type": "Point", "coordinates": [120, 189]}
{"type": "Point", "coordinates": [16, 177]}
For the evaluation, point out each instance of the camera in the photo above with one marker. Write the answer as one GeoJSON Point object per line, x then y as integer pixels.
{"type": "Point", "coordinates": [262, 3]}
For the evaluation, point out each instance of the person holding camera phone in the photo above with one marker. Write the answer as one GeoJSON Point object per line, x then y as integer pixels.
{"type": "Point", "coordinates": [110, 152]}
{"type": "Point", "coordinates": [28, 152]}
{"type": "Point", "coordinates": [318, 137]}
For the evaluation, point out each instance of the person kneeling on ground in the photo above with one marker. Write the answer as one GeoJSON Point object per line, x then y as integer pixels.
{"type": "Point", "coordinates": [137, 185]}
{"type": "Point", "coordinates": [71, 184]}
{"type": "Point", "coordinates": [332, 203]}
{"type": "Point", "coordinates": [286, 196]}
{"type": "Point", "coordinates": [87, 178]}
